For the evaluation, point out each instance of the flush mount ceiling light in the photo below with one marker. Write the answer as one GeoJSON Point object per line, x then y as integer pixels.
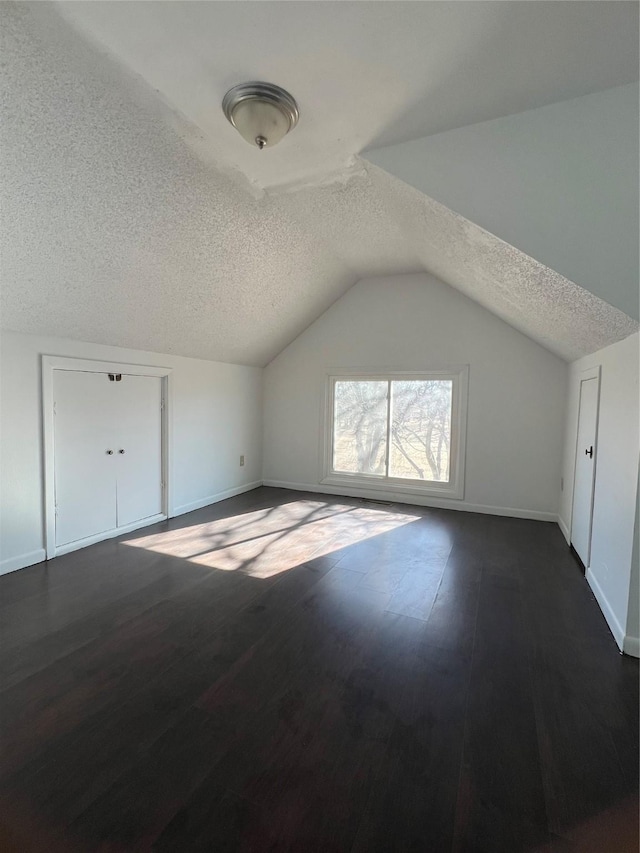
{"type": "Point", "coordinates": [261, 112]}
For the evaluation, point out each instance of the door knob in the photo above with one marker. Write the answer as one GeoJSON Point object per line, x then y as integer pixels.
{"type": "Point", "coordinates": [589, 452]}
{"type": "Point", "coordinates": [121, 450]}
{"type": "Point", "coordinates": [109, 452]}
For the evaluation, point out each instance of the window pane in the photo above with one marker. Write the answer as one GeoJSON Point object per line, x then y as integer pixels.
{"type": "Point", "coordinates": [360, 427]}
{"type": "Point", "coordinates": [421, 429]}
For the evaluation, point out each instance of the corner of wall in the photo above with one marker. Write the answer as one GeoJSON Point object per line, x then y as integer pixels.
{"type": "Point", "coordinates": [631, 646]}
{"type": "Point", "coordinates": [632, 638]}
{"type": "Point", "coordinates": [564, 527]}
{"type": "Point", "coordinates": [612, 620]}
{"type": "Point", "coordinates": [22, 561]}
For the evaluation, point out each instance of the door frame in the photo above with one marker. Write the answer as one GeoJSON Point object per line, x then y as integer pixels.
{"type": "Point", "coordinates": [589, 373]}
{"type": "Point", "coordinates": [54, 362]}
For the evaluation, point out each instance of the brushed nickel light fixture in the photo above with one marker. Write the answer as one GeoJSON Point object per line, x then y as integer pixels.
{"type": "Point", "coordinates": [261, 112]}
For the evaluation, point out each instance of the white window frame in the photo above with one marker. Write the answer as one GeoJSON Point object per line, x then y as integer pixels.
{"type": "Point", "coordinates": [454, 488]}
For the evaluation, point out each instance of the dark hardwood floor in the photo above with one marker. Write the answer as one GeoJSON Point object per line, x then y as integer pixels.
{"type": "Point", "coordinates": [293, 672]}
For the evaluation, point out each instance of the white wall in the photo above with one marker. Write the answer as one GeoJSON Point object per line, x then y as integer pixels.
{"type": "Point", "coordinates": [414, 322]}
{"type": "Point", "coordinates": [217, 414]}
{"type": "Point", "coordinates": [559, 182]}
{"type": "Point", "coordinates": [616, 483]}
{"type": "Point", "coordinates": [632, 640]}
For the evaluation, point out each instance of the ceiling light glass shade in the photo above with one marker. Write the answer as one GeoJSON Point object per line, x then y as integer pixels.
{"type": "Point", "coordinates": [258, 120]}
{"type": "Point", "coordinates": [261, 112]}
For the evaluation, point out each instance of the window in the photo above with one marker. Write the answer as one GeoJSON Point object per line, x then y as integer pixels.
{"type": "Point", "coordinates": [402, 432]}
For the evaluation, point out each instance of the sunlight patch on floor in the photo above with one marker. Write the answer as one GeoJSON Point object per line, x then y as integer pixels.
{"type": "Point", "coordinates": [269, 541]}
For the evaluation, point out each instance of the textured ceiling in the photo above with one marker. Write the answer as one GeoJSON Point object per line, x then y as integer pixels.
{"type": "Point", "coordinates": [366, 74]}
{"type": "Point", "coordinates": [115, 231]}
{"type": "Point", "coordinates": [561, 183]}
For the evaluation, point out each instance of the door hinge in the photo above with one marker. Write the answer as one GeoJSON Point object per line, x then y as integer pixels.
{"type": "Point", "coordinates": [55, 408]}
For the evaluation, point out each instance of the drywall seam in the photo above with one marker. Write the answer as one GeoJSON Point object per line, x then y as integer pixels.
{"type": "Point", "coordinates": [416, 500]}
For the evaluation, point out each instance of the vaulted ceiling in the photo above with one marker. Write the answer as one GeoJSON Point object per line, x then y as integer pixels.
{"type": "Point", "coordinates": [134, 215]}
{"type": "Point", "coordinates": [366, 74]}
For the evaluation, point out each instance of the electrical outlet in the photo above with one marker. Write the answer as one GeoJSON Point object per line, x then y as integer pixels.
{"type": "Point", "coordinates": [241, 461]}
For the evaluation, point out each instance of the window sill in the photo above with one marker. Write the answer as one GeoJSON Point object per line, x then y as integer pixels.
{"type": "Point", "coordinates": [452, 491]}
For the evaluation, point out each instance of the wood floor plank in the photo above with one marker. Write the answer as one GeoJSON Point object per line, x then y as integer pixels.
{"type": "Point", "coordinates": [412, 807]}
{"type": "Point", "coordinates": [29, 657]}
{"type": "Point", "coordinates": [295, 672]}
{"type": "Point", "coordinates": [578, 714]}
{"type": "Point", "coordinates": [99, 676]}
{"type": "Point", "coordinates": [246, 705]}
{"type": "Point", "coordinates": [97, 746]}
{"type": "Point", "coordinates": [217, 819]}
{"type": "Point", "coordinates": [502, 805]}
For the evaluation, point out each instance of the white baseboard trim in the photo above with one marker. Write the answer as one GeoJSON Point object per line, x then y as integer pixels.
{"type": "Point", "coordinates": [612, 621]}
{"type": "Point", "coordinates": [416, 500]}
{"type": "Point", "coordinates": [213, 499]}
{"type": "Point", "coordinates": [565, 530]}
{"type": "Point", "coordinates": [631, 646]}
{"type": "Point", "coordinates": [12, 564]}
{"type": "Point", "coordinates": [107, 534]}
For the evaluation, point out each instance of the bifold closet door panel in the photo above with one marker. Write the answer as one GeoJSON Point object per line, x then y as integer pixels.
{"type": "Point", "coordinates": [85, 472]}
{"type": "Point", "coordinates": [138, 450]}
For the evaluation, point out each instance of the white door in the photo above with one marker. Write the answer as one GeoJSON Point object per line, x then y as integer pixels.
{"type": "Point", "coordinates": [138, 450]}
{"type": "Point", "coordinates": [85, 470]}
{"type": "Point", "coordinates": [585, 469]}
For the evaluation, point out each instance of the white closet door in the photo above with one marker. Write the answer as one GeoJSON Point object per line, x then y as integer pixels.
{"type": "Point", "coordinates": [85, 473]}
{"type": "Point", "coordinates": [138, 450]}
{"type": "Point", "coordinates": [583, 483]}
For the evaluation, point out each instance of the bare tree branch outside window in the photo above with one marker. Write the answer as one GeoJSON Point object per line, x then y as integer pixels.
{"type": "Point", "coordinates": [420, 428]}
{"type": "Point", "coordinates": [360, 427]}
